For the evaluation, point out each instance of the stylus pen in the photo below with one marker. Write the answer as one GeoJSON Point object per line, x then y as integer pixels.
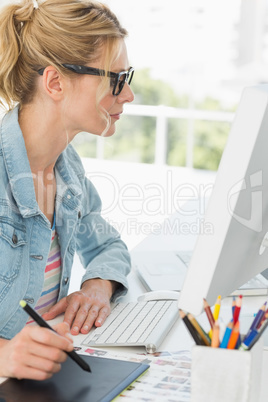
{"type": "Point", "coordinates": [42, 323]}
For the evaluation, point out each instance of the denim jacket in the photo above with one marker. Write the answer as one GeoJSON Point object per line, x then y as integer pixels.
{"type": "Point", "coordinates": [25, 232]}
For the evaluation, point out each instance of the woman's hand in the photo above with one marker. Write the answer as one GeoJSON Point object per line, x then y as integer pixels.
{"type": "Point", "coordinates": [85, 308]}
{"type": "Point", "coordinates": [35, 352]}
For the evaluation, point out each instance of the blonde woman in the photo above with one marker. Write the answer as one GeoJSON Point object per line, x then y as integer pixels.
{"type": "Point", "coordinates": [64, 69]}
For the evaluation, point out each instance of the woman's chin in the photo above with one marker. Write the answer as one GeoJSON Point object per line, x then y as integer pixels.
{"type": "Point", "coordinates": [110, 131]}
{"type": "Point", "coordinates": [104, 133]}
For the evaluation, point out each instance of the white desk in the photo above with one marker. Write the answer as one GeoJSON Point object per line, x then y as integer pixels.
{"type": "Point", "coordinates": [179, 338]}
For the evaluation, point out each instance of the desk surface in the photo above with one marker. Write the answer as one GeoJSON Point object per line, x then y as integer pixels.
{"type": "Point", "coordinates": [179, 338]}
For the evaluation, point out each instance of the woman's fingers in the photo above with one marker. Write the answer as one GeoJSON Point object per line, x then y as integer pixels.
{"type": "Point", "coordinates": [85, 308]}
{"type": "Point", "coordinates": [97, 319]}
{"type": "Point", "coordinates": [56, 310]}
{"type": "Point", "coordinates": [83, 312]}
{"type": "Point", "coordinates": [35, 353]}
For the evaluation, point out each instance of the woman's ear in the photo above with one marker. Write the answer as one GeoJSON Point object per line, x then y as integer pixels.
{"type": "Point", "coordinates": [53, 83]}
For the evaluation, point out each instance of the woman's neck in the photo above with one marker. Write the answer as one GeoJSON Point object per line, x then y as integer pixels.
{"type": "Point", "coordinates": [43, 136]}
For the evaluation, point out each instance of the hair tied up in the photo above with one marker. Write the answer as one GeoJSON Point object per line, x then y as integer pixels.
{"type": "Point", "coordinates": [65, 30]}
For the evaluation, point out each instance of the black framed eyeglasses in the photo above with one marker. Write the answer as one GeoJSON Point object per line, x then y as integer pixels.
{"type": "Point", "coordinates": [117, 80]}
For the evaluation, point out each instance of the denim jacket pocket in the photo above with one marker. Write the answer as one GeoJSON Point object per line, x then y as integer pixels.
{"type": "Point", "coordinates": [12, 240]}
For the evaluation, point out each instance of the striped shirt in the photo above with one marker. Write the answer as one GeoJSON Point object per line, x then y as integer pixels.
{"type": "Point", "coordinates": [51, 285]}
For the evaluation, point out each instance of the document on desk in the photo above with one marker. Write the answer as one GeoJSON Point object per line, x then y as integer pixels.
{"type": "Point", "coordinates": [109, 377]}
{"type": "Point", "coordinates": [168, 378]}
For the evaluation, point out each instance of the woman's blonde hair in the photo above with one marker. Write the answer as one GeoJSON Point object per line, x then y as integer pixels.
{"type": "Point", "coordinates": [35, 35]}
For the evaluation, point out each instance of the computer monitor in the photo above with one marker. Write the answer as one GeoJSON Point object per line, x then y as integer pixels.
{"type": "Point", "coordinates": [237, 211]}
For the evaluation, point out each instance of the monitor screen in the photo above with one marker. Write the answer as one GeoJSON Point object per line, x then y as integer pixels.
{"type": "Point", "coordinates": [236, 249]}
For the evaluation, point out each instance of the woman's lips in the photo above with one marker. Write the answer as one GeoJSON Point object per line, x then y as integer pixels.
{"type": "Point", "coordinates": [116, 116]}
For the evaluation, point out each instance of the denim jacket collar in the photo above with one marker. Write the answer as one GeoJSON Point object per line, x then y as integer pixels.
{"type": "Point", "coordinates": [19, 171]}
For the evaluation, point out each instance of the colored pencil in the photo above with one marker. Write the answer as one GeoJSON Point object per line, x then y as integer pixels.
{"type": "Point", "coordinates": [258, 335]}
{"type": "Point", "coordinates": [227, 335]}
{"type": "Point", "coordinates": [191, 329]}
{"type": "Point", "coordinates": [264, 318]}
{"type": "Point", "coordinates": [233, 305]}
{"type": "Point", "coordinates": [217, 307]}
{"type": "Point", "coordinates": [255, 323]}
{"type": "Point", "coordinates": [215, 340]}
{"type": "Point", "coordinates": [237, 309]}
{"type": "Point", "coordinates": [234, 336]}
{"type": "Point", "coordinates": [238, 343]}
{"type": "Point", "coordinates": [248, 340]}
{"type": "Point", "coordinates": [258, 317]}
{"type": "Point", "coordinates": [200, 330]}
{"type": "Point", "coordinates": [216, 313]}
{"type": "Point", "coordinates": [208, 313]}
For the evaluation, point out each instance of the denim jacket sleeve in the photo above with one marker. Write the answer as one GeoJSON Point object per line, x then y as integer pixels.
{"type": "Point", "coordinates": [99, 246]}
{"type": "Point", "coordinates": [102, 252]}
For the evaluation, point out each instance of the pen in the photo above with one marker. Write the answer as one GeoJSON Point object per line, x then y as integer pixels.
{"type": "Point", "coordinates": [42, 323]}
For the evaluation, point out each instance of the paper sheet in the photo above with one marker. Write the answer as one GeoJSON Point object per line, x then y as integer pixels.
{"type": "Point", "coordinates": [167, 379]}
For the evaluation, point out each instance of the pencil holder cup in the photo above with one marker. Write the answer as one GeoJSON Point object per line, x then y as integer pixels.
{"type": "Point", "coordinates": [226, 375]}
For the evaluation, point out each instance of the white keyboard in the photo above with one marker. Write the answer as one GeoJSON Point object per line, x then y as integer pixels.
{"type": "Point", "coordinates": [136, 324]}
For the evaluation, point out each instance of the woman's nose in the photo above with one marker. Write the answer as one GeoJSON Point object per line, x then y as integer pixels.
{"type": "Point", "coordinates": [126, 95]}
